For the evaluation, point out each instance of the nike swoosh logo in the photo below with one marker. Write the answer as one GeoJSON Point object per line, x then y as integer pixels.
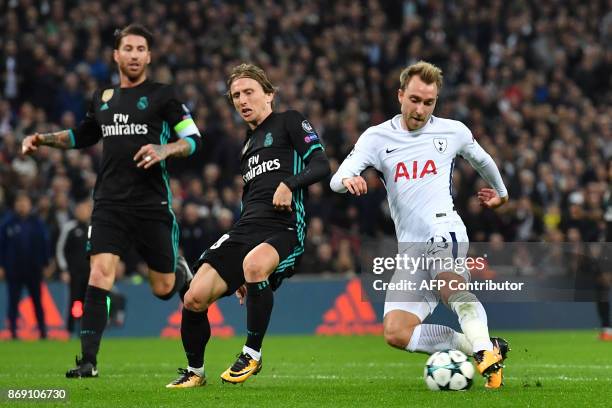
{"type": "Point", "coordinates": [240, 374]}
{"type": "Point", "coordinates": [392, 150]}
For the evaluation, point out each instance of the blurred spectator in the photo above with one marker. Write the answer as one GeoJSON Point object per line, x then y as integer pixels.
{"type": "Point", "coordinates": [24, 252]}
{"type": "Point", "coordinates": [321, 262]}
{"type": "Point", "coordinates": [70, 98]}
{"type": "Point", "coordinates": [195, 236]}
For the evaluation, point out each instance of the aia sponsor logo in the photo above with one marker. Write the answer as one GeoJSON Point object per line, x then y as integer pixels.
{"type": "Point", "coordinates": [414, 170]}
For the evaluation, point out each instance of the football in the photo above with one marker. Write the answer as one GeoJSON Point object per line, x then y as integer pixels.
{"type": "Point", "coordinates": [448, 370]}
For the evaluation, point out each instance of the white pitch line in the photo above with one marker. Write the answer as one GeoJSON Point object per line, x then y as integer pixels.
{"type": "Point", "coordinates": [510, 364]}
{"type": "Point", "coordinates": [587, 366]}
{"type": "Point", "coordinates": [385, 377]}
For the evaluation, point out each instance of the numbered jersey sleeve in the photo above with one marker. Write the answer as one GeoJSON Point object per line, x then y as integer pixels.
{"type": "Point", "coordinates": [303, 136]}
{"type": "Point", "coordinates": [180, 119]}
{"type": "Point", "coordinates": [88, 132]}
{"type": "Point", "coordinates": [360, 158]}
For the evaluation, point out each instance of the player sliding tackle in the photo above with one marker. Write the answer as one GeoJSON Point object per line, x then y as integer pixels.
{"type": "Point", "coordinates": [415, 152]}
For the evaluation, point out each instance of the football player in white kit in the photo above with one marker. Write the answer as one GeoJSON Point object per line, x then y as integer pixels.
{"type": "Point", "coordinates": [415, 153]}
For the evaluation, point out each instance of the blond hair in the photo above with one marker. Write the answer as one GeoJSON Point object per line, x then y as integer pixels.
{"type": "Point", "coordinates": [250, 71]}
{"type": "Point", "coordinates": [428, 73]}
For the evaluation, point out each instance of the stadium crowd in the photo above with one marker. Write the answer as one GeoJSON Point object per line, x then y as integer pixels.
{"type": "Point", "coordinates": [530, 79]}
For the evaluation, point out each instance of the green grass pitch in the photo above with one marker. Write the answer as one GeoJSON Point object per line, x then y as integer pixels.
{"type": "Point", "coordinates": [549, 368]}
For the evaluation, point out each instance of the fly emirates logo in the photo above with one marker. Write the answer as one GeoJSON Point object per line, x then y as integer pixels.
{"type": "Point", "coordinates": [121, 126]}
{"type": "Point", "coordinates": [414, 170]}
{"type": "Point", "coordinates": [255, 168]}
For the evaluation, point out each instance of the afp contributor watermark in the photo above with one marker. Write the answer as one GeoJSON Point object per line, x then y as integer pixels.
{"type": "Point", "coordinates": [453, 284]}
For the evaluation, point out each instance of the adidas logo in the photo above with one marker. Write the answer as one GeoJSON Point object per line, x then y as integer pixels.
{"type": "Point", "coordinates": [352, 313]}
{"type": "Point", "coordinates": [215, 317]}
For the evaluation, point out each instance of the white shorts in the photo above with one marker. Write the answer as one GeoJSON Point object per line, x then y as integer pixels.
{"type": "Point", "coordinates": [444, 251]}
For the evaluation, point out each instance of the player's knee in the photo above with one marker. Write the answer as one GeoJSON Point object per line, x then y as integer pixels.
{"type": "Point", "coordinates": [100, 275]}
{"type": "Point", "coordinates": [397, 336]}
{"type": "Point", "coordinates": [163, 289]}
{"type": "Point", "coordinates": [194, 303]}
{"type": "Point", "coordinates": [254, 271]}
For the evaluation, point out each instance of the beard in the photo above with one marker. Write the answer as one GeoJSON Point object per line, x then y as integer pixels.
{"type": "Point", "coordinates": [133, 76]}
{"type": "Point", "coordinates": [413, 123]}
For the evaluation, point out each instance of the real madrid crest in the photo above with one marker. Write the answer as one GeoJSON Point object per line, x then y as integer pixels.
{"type": "Point", "coordinates": [142, 103]}
{"type": "Point", "coordinates": [440, 144]}
{"type": "Point", "coordinates": [107, 95]}
{"type": "Point", "coordinates": [268, 140]}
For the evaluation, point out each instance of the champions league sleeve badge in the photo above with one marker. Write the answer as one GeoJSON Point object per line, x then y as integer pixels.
{"type": "Point", "coordinates": [307, 127]}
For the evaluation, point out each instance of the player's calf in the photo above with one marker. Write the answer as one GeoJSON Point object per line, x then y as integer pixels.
{"type": "Point", "coordinates": [398, 337]}
{"type": "Point", "coordinates": [164, 287]}
{"type": "Point", "coordinates": [398, 328]}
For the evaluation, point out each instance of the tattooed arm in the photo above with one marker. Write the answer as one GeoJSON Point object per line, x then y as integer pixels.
{"type": "Point", "coordinates": [150, 154]}
{"type": "Point", "coordinates": [61, 140]}
{"type": "Point", "coordinates": [87, 133]}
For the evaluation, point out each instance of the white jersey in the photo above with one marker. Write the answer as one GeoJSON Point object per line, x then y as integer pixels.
{"type": "Point", "coordinates": [417, 169]}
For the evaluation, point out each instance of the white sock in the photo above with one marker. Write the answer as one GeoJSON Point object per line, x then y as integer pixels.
{"type": "Point", "coordinates": [461, 343]}
{"type": "Point", "coordinates": [472, 318]}
{"type": "Point", "coordinates": [429, 338]}
{"type": "Point", "coordinates": [607, 330]}
{"type": "Point", "coordinates": [255, 354]}
{"type": "Point", "coordinates": [197, 371]}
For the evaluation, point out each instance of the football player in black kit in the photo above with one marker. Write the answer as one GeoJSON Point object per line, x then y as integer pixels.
{"type": "Point", "coordinates": [132, 198]}
{"type": "Point", "coordinates": [282, 155]}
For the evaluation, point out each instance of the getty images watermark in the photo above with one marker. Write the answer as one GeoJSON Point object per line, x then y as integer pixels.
{"type": "Point", "coordinates": [415, 274]}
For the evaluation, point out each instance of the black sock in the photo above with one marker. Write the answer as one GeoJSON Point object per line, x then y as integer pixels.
{"type": "Point", "coordinates": [603, 310]}
{"type": "Point", "coordinates": [195, 333]}
{"type": "Point", "coordinates": [95, 315]}
{"type": "Point", "coordinates": [259, 302]}
{"type": "Point", "coordinates": [180, 281]}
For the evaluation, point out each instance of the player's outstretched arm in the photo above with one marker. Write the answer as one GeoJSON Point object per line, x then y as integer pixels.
{"type": "Point", "coordinates": [348, 177]}
{"type": "Point", "coordinates": [151, 154]}
{"type": "Point", "coordinates": [60, 140]}
{"type": "Point", "coordinates": [86, 134]}
{"type": "Point", "coordinates": [484, 164]}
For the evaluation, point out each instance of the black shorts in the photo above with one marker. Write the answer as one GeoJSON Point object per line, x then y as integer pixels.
{"type": "Point", "coordinates": [153, 233]}
{"type": "Point", "coordinates": [227, 254]}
